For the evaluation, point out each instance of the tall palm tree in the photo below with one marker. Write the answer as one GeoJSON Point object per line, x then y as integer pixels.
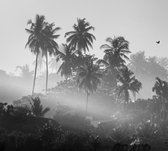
{"type": "Point", "coordinates": [68, 61]}
{"type": "Point", "coordinates": [80, 38]}
{"type": "Point", "coordinates": [49, 45]}
{"type": "Point", "coordinates": [115, 54]}
{"type": "Point", "coordinates": [88, 78]}
{"type": "Point", "coordinates": [110, 68]}
{"type": "Point", "coordinates": [119, 47]}
{"type": "Point", "coordinates": [41, 62]}
{"type": "Point", "coordinates": [128, 82]}
{"type": "Point", "coordinates": [35, 39]}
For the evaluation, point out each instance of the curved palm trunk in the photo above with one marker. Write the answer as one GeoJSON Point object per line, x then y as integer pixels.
{"type": "Point", "coordinates": [35, 73]}
{"type": "Point", "coordinates": [46, 87]}
{"type": "Point", "coordinates": [87, 99]}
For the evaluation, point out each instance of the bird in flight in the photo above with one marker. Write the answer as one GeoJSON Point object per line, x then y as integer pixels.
{"type": "Point", "coordinates": [158, 42]}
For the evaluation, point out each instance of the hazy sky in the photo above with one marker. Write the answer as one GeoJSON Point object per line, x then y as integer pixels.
{"type": "Point", "coordinates": [141, 22]}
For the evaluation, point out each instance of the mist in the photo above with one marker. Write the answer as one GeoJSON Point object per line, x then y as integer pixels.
{"type": "Point", "coordinates": [81, 84]}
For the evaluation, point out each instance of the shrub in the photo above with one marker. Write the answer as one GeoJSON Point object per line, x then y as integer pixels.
{"type": "Point", "coordinates": [37, 108]}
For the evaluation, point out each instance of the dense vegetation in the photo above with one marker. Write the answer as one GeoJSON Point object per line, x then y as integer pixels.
{"type": "Point", "coordinates": [135, 124]}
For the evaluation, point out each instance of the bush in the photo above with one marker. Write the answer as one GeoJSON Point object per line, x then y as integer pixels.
{"type": "Point", "coordinates": [69, 119]}
{"type": "Point", "coordinates": [37, 108]}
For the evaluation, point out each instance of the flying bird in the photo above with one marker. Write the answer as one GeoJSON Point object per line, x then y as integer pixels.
{"type": "Point", "coordinates": [158, 42]}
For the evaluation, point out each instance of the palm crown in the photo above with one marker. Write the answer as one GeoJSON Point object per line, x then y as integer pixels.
{"type": "Point", "coordinates": [67, 57]}
{"type": "Point", "coordinates": [117, 48]}
{"type": "Point", "coordinates": [48, 42]}
{"type": "Point", "coordinates": [89, 77]}
{"type": "Point", "coordinates": [80, 38]}
{"type": "Point", "coordinates": [37, 108]}
{"type": "Point", "coordinates": [128, 82]}
{"type": "Point", "coordinates": [161, 88]}
{"type": "Point", "coordinates": [36, 33]}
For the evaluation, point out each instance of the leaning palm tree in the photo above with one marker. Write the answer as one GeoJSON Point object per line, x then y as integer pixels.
{"type": "Point", "coordinates": [67, 57]}
{"type": "Point", "coordinates": [35, 39]}
{"type": "Point", "coordinates": [80, 38]}
{"type": "Point", "coordinates": [49, 45]}
{"type": "Point", "coordinates": [128, 82]}
{"type": "Point", "coordinates": [88, 78]}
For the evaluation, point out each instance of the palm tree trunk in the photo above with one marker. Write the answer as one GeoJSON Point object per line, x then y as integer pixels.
{"type": "Point", "coordinates": [114, 73]}
{"type": "Point", "coordinates": [126, 96]}
{"type": "Point", "coordinates": [35, 72]}
{"type": "Point", "coordinates": [126, 99]}
{"type": "Point", "coordinates": [87, 98]}
{"type": "Point", "coordinates": [46, 73]}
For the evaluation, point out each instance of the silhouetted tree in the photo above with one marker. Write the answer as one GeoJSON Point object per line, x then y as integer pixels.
{"type": "Point", "coordinates": [37, 108]}
{"type": "Point", "coordinates": [119, 47]}
{"type": "Point", "coordinates": [49, 45]}
{"type": "Point", "coordinates": [40, 61]}
{"type": "Point", "coordinates": [68, 61]}
{"type": "Point", "coordinates": [35, 39]}
{"type": "Point", "coordinates": [80, 39]}
{"type": "Point", "coordinates": [115, 53]}
{"type": "Point", "coordinates": [88, 78]}
{"type": "Point", "coordinates": [128, 82]}
{"type": "Point", "coordinates": [161, 89]}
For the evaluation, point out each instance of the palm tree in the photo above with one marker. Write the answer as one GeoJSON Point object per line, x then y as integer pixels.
{"type": "Point", "coordinates": [68, 61]}
{"type": "Point", "coordinates": [110, 68]}
{"type": "Point", "coordinates": [37, 108]}
{"type": "Point", "coordinates": [128, 82]}
{"type": "Point", "coordinates": [80, 39]}
{"type": "Point", "coordinates": [88, 78]}
{"type": "Point", "coordinates": [115, 53]}
{"type": "Point", "coordinates": [119, 47]}
{"type": "Point", "coordinates": [40, 61]}
{"type": "Point", "coordinates": [35, 39]}
{"type": "Point", "coordinates": [49, 45]}
{"type": "Point", "coordinates": [161, 89]}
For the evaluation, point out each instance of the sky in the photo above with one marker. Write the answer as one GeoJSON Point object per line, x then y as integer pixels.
{"type": "Point", "coordinates": [141, 22]}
